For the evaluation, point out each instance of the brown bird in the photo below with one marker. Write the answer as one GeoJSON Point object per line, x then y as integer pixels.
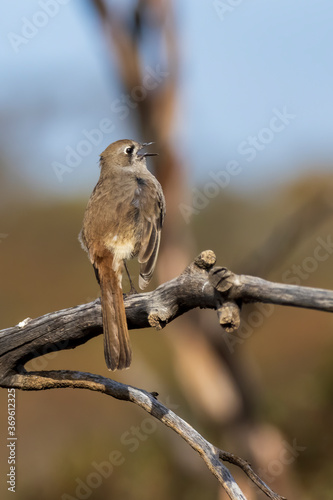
{"type": "Point", "coordinates": [123, 219]}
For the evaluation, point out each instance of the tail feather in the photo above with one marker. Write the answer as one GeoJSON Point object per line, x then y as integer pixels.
{"type": "Point", "coordinates": [117, 349]}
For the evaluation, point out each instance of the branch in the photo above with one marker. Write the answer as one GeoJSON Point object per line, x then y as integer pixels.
{"type": "Point", "coordinates": [251, 289]}
{"type": "Point", "coordinates": [200, 285]}
{"type": "Point", "coordinates": [211, 455]}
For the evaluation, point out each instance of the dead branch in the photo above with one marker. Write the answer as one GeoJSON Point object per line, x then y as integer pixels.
{"type": "Point", "coordinates": [203, 285]}
{"type": "Point", "coordinates": [212, 456]}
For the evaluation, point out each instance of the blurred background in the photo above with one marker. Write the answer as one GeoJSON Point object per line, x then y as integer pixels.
{"type": "Point", "coordinates": [238, 99]}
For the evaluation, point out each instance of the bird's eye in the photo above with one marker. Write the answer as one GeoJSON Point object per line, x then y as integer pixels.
{"type": "Point", "coordinates": [129, 150]}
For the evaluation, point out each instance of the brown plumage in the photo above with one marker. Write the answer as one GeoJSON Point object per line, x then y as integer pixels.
{"type": "Point", "coordinates": [123, 219]}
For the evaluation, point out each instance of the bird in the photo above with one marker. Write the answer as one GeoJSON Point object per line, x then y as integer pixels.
{"type": "Point", "coordinates": [123, 219]}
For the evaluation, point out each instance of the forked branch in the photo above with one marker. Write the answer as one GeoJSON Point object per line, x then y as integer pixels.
{"type": "Point", "coordinates": [202, 284]}
{"type": "Point", "coordinates": [212, 456]}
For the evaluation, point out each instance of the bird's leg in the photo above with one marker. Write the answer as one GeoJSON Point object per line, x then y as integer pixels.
{"type": "Point", "coordinates": [132, 290]}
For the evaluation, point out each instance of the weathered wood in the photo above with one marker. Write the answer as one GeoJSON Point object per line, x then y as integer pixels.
{"type": "Point", "coordinates": [252, 289]}
{"type": "Point", "coordinates": [200, 285]}
{"type": "Point", "coordinates": [71, 327]}
{"type": "Point", "coordinates": [212, 456]}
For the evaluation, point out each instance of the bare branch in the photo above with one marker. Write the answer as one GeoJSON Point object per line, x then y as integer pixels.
{"type": "Point", "coordinates": [79, 380]}
{"type": "Point", "coordinates": [251, 289]}
{"type": "Point", "coordinates": [200, 285]}
{"type": "Point", "coordinates": [246, 467]}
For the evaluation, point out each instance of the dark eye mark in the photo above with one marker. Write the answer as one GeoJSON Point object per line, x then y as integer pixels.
{"type": "Point", "coordinates": [129, 150]}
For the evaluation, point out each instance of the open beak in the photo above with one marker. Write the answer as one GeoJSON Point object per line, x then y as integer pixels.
{"type": "Point", "coordinates": [144, 145]}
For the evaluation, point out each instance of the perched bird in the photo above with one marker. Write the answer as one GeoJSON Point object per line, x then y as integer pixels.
{"type": "Point", "coordinates": [123, 219]}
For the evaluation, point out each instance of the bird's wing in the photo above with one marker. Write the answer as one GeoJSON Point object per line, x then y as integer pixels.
{"type": "Point", "coordinates": [153, 211]}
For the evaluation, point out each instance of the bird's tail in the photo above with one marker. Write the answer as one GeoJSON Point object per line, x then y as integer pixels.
{"type": "Point", "coordinates": [117, 348]}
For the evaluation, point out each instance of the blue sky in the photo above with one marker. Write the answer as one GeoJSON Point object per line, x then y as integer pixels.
{"type": "Point", "coordinates": [241, 66]}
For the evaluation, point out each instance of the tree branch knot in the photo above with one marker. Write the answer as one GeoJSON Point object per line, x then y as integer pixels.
{"type": "Point", "coordinates": [221, 278]}
{"type": "Point", "coordinates": [205, 260]}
